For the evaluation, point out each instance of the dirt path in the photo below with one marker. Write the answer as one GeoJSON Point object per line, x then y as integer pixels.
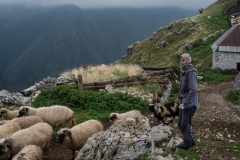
{"type": "Point", "coordinates": [215, 124]}
{"type": "Point", "coordinates": [213, 103]}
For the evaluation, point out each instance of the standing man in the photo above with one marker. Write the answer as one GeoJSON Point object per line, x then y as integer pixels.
{"type": "Point", "coordinates": [188, 99]}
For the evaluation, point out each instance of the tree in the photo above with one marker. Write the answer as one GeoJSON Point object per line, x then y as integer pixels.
{"type": "Point", "coordinates": [200, 10]}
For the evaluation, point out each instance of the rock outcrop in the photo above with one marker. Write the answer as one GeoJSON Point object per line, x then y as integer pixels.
{"type": "Point", "coordinates": [13, 98]}
{"type": "Point", "coordinates": [125, 139]}
{"type": "Point", "coordinates": [27, 96]}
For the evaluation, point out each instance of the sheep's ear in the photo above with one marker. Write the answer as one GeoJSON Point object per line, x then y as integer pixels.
{"type": "Point", "coordinates": [27, 109]}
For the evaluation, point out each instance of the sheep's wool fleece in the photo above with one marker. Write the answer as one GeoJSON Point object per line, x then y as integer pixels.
{"type": "Point", "coordinates": [28, 121]}
{"type": "Point", "coordinates": [4, 122]}
{"type": "Point", "coordinates": [54, 115]}
{"type": "Point", "coordinates": [30, 152]}
{"type": "Point", "coordinates": [127, 114]}
{"type": "Point", "coordinates": [80, 134]}
{"type": "Point", "coordinates": [39, 134]}
{"type": "Point", "coordinates": [9, 114]}
{"type": "Point", "coordinates": [8, 129]}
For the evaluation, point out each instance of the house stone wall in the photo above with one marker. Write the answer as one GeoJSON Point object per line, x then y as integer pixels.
{"type": "Point", "coordinates": [225, 60]}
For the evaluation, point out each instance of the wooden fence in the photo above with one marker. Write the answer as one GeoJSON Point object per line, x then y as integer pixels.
{"type": "Point", "coordinates": [160, 75]}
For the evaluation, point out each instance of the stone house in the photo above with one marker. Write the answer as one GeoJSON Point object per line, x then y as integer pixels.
{"type": "Point", "coordinates": [226, 50]}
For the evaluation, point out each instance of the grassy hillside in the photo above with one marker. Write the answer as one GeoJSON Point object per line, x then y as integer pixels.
{"type": "Point", "coordinates": [168, 42]}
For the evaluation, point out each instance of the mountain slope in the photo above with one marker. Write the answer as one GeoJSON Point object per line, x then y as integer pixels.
{"type": "Point", "coordinates": [39, 42]}
{"type": "Point", "coordinates": [194, 35]}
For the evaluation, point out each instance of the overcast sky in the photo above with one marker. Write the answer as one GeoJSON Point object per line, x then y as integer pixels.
{"type": "Point", "coordinates": [194, 4]}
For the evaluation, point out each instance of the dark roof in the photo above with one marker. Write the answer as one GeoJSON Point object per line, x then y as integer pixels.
{"type": "Point", "coordinates": [233, 39]}
{"type": "Point", "coordinates": [230, 38]}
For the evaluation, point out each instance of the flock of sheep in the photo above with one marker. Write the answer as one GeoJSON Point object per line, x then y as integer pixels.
{"type": "Point", "coordinates": [26, 133]}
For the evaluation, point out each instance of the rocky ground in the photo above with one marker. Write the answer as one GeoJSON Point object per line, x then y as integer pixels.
{"type": "Point", "coordinates": [216, 125]}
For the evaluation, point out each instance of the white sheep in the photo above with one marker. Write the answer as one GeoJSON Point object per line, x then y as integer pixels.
{"type": "Point", "coordinates": [39, 134]}
{"type": "Point", "coordinates": [29, 152]}
{"type": "Point", "coordinates": [8, 129]}
{"type": "Point", "coordinates": [28, 121]}
{"type": "Point", "coordinates": [117, 116]}
{"type": "Point", "coordinates": [77, 136]}
{"type": "Point", "coordinates": [7, 114]}
{"type": "Point", "coordinates": [53, 115]}
{"type": "Point", "coordinates": [4, 122]}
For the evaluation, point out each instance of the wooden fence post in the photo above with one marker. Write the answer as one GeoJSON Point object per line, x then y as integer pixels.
{"type": "Point", "coordinates": [80, 83]}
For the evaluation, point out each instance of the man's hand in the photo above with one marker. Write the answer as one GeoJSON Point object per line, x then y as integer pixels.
{"type": "Point", "coordinates": [180, 106]}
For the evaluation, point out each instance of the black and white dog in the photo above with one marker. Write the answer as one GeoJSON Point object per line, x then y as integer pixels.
{"type": "Point", "coordinates": [168, 110]}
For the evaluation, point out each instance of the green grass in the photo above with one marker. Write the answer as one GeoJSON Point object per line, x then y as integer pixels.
{"type": "Point", "coordinates": [190, 154]}
{"type": "Point", "coordinates": [233, 149]}
{"type": "Point", "coordinates": [4, 156]}
{"type": "Point", "coordinates": [81, 116]}
{"type": "Point", "coordinates": [144, 156]}
{"type": "Point", "coordinates": [120, 74]}
{"type": "Point", "coordinates": [193, 154]}
{"type": "Point", "coordinates": [174, 92]}
{"type": "Point", "coordinates": [234, 97]}
{"type": "Point", "coordinates": [90, 104]}
{"type": "Point", "coordinates": [215, 76]}
{"type": "Point", "coordinates": [202, 52]}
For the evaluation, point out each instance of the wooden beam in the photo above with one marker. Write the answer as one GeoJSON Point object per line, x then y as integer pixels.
{"type": "Point", "coordinates": [80, 83]}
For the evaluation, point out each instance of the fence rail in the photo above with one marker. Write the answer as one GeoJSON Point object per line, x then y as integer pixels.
{"type": "Point", "coordinates": [160, 75]}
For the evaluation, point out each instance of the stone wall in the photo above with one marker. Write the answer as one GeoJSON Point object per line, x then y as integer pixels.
{"type": "Point", "coordinates": [225, 60]}
{"type": "Point", "coordinates": [235, 20]}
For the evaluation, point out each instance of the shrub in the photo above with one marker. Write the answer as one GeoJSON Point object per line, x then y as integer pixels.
{"type": "Point", "coordinates": [233, 96]}
{"type": "Point", "coordinates": [175, 88]}
{"type": "Point", "coordinates": [200, 10]}
{"type": "Point", "coordinates": [89, 100]}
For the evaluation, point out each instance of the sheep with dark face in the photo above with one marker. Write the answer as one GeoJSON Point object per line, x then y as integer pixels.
{"type": "Point", "coordinates": [39, 134]}
{"type": "Point", "coordinates": [168, 110]}
{"type": "Point", "coordinates": [53, 115]}
{"type": "Point", "coordinates": [117, 116]}
{"type": "Point", "coordinates": [76, 137]}
{"type": "Point", "coordinates": [7, 114]}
